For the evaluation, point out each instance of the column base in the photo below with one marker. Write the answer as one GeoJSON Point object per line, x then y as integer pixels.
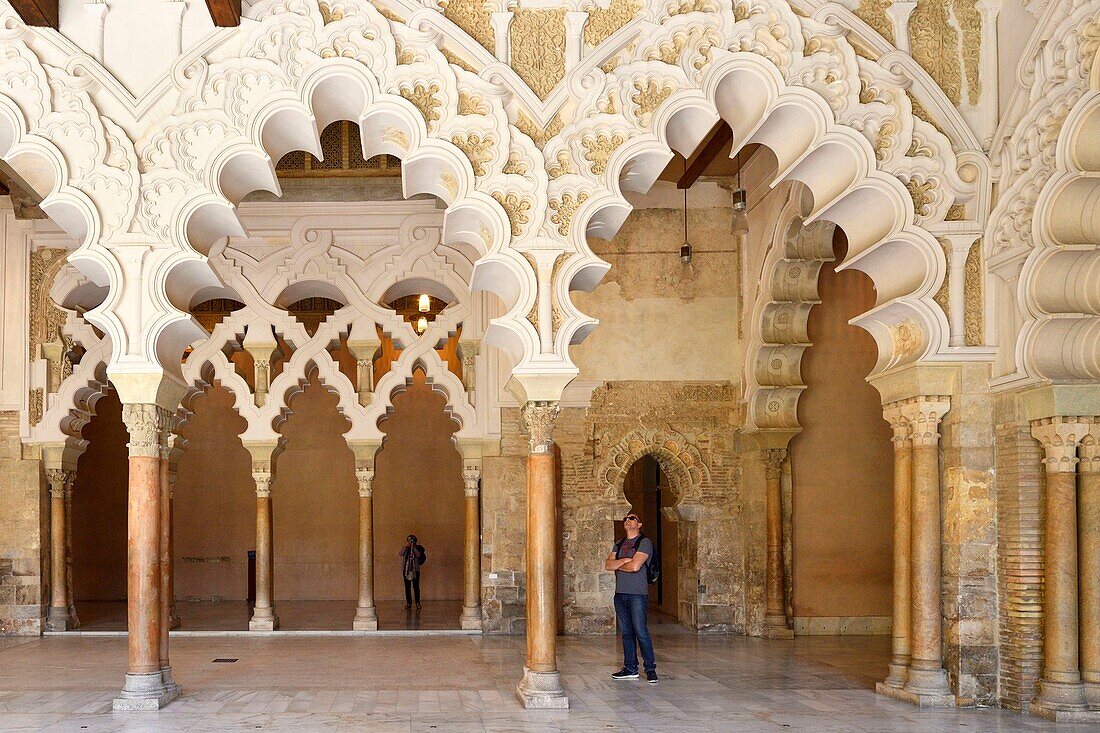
{"type": "Point", "coordinates": [925, 688]}
{"type": "Point", "coordinates": [59, 619]}
{"type": "Point", "coordinates": [1092, 694]}
{"type": "Point", "coordinates": [263, 619]}
{"type": "Point", "coordinates": [366, 619]}
{"type": "Point", "coordinates": [170, 685]}
{"type": "Point", "coordinates": [1057, 700]}
{"type": "Point", "coordinates": [144, 692]}
{"type": "Point", "coordinates": [470, 619]}
{"type": "Point", "coordinates": [542, 691]}
{"type": "Point", "coordinates": [776, 631]}
{"type": "Point", "coordinates": [897, 677]}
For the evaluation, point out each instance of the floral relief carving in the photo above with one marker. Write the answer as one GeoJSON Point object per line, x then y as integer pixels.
{"type": "Point", "coordinates": [423, 97]}
{"type": "Point", "coordinates": [478, 148]}
{"type": "Point", "coordinates": [599, 148]}
{"type": "Point", "coordinates": [943, 295]}
{"type": "Point", "coordinates": [974, 296]}
{"type": "Point", "coordinates": [517, 208]}
{"type": "Point", "coordinates": [564, 209]}
{"type": "Point", "coordinates": [603, 22]}
{"type": "Point", "coordinates": [648, 96]}
{"type": "Point", "coordinates": [474, 17]}
{"type": "Point", "coordinates": [538, 47]}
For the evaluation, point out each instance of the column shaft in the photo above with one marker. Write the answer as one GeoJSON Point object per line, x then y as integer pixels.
{"type": "Point", "coordinates": [903, 492]}
{"type": "Point", "coordinates": [1060, 688]}
{"type": "Point", "coordinates": [541, 684]}
{"type": "Point", "coordinates": [58, 619]}
{"type": "Point", "coordinates": [926, 682]}
{"type": "Point", "coordinates": [173, 617]}
{"type": "Point", "coordinates": [775, 618]}
{"type": "Point", "coordinates": [1089, 559]}
{"type": "Point", "coordinates": [263, 614]}
{"type": "Point", "coordinates": [366, 617]}
{"type": "Point", "coordinates": [471, 603]}
{"type": "Point", "coordinates": [541, 565]}
{"type": "Point", "coordinates": [143, 571]}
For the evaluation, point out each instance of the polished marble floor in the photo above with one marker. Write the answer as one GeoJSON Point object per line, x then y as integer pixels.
{"type": "Point", "coordinates": [100, 616]}
{"type": "Point", "coordinates": [710, 684]}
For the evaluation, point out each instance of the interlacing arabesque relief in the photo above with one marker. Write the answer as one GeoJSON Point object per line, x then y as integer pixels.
{"type": "Point", "coordinates": [1035, 232]}
{"type": "Point", "coordinates": [525, 200]}
{"type": "Point", "coordinates": [325, 249]}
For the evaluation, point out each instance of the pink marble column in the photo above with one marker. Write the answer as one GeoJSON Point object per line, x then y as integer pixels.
{"type": "Point", "coordinates": [263, 613]}
{"type": "Point", "coordinates": [471, 603]}
{"type": "Point", "coordinates": [1060, 688]}
{"type": "Point", "coordinates": [541, 687]}
{"type": "Point", "coordinates": [59, 619]}
{"type": "Point", "coordinates": [775, 616]}
{"type": "Point", "coordinates": [366, 615]}
{"type": "Point", "coordinates": [144, 688]}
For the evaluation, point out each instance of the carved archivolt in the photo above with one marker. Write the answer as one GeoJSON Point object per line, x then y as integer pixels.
{"type": "Point", "coordinates": [1061, 340]}
{"type": "Point", "coordinates": [779, 335]}
{"type": "Point", "coordinates": [677, 455]}
{"type": "Point", "coordinates": [522, 170]}
{"type": "Point", "coordinates": [1044, 210]}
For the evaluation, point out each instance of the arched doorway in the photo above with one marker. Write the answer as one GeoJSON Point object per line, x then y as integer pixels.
{"type": "Point", "coordinates": [99, 520]}
{"type": "Point", "coordinates": [649, 494]}
{"type": "Point", "coordinates": [314, 499]}
{"type": "Point", "coordinates": [842, 470]}
{"type": "Point", "coordinates": [418, 490]}
{"type": "Point", "coordinates": [213, 517]}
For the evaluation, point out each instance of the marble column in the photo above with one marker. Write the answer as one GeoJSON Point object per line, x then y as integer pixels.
{"type": "Point", "coordinates": [926, 683]}
{"type": "Point", "coordinates": [1088, 532]}
{"type": "Point", "coordinates": [903, 494]}
{"type": "Point", "coordinates": [1060, 688]}
{"type": "Point", "coordinates": [58, 619]}
{"type": "Point", "coordinates": [263, 613]}
{"type": "Point", "coordinates": [471, 603]}
{"type": "Point", "coordinates": [144, 688]}
{"type": "Point", "coordinates": [775, 615]}
{"type": "Point", "coordinates": [74, 620]}
{"type": "Point", "coordinates": [541, 687]}
{"type": "Point", "coordinates": [366, 617]}
{"type": "Point", "coordinates": [165, 567]}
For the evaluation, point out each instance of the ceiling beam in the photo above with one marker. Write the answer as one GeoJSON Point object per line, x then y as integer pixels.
{"type": "Point", "coordinates": [37, 12]}
{"type": "Point", "coordinates": [226, 13]}
{"type": "Point", "coordinates": [716, 139]}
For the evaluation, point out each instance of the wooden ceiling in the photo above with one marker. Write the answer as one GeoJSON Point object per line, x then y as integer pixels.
{"type": "Point", "coordinates": [711, 159]}
{"type": "Point", "coordinates": [37, 12]}
{"type": "Point", "coordinates": [43, 13]}
{"type": "Point", "coordinates": [226, 13]}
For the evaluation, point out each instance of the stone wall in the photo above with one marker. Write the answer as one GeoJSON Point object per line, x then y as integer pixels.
{"type": "Point", "coordinates": [24, 532]}
{"type": "Point", "coordinates": [969, 511]}
{"type": "Point", "coordinates": [503, 531]}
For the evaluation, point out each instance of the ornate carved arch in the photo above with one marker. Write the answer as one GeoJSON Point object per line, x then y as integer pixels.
{"type": "Point", "coordinates": [779, 336]}
{"type": "Point", "coordinates": [677, 455]}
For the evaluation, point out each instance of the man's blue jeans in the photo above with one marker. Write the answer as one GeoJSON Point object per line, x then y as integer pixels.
{"type": "Point", "coordinates": [630, 611]}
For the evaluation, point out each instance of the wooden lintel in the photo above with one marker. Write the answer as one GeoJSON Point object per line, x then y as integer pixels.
{"type": "Point", "coordinates": [715, 141]}
{"type": "Point", "coordinates": [225, 13]}
{"type": "Point", "coordinates": [41, 13]}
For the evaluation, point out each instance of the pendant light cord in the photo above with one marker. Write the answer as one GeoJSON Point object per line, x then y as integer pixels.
{"type": "Point", "coordinates": [685, 204]}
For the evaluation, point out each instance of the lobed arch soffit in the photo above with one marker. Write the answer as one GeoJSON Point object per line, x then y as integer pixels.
{"type": "Point", "coordinates": [836, 119]}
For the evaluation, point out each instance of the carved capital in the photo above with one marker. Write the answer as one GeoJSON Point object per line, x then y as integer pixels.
{"type": "Point", "coordinates": [61, 482]}
{"type": "Point", "coordinates": [148, 426]}
{"type": "Point", "coordinates": [365, 479]}
{"type": "Point", "coordinates": [903, 431]}
{"type": "Point", "coordinates": [262, 477]}
{"type": "Point", "coordinates": [923, 414]}
{"type": "Point", "coordinates": [539, 417]}
{"type": "Point", "coordinates": [773, 462]}
{"type": "Point", "coordinates": [1090, 450]}
{"type": "Point", "coordinates": [1060, 437]}
{"type": "Point", "coordinates": [471, 477]}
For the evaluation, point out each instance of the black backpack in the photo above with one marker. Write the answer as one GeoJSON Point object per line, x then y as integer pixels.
{"type": "Point", "coordinates": [423, 554]}
{"type": "Point", "coordinates": [652, 563]}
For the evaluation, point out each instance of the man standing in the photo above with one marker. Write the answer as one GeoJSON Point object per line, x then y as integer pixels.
{"type": "Point", "coordinates": [628, 559]}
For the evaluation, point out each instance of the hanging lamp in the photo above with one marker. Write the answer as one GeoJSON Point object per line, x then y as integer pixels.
{"type": "Point", "coordinates": [740, 222]}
